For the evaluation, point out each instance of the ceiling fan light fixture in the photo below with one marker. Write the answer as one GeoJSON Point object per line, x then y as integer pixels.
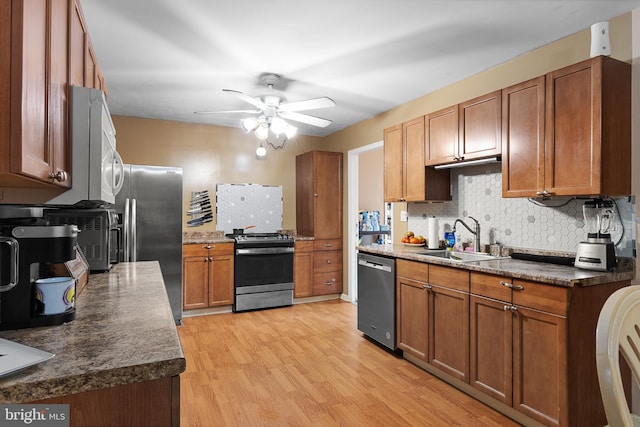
{"type": "Point", "coordinates": [278, 126]}
{"type": "Point", "coordinates": [261, 152]}
{"type": "Point", "coordinates": [262, 131]}
{"type": "Point", "coordinates": [249, 124]}
{"type": "Point", "coordinates": [290, 131]}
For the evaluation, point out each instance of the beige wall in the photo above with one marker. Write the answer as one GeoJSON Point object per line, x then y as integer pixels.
{"type": "Point", "coordinates": [370, 181]}
{"type": "Point", "coordinates": [211, 154]}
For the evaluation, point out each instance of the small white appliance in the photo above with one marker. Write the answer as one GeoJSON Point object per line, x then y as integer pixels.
{"type": "Point", "coordinates": [598, 251]}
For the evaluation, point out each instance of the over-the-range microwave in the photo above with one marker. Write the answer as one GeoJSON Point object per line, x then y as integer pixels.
{"type": "Point", "coordinates": [97, 170]}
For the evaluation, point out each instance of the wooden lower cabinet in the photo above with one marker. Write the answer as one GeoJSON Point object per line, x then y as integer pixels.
{"type": "Point", "coordinates": [303, 269]}
{"type": "Point", "coordinates": [413, 304]}
{"type": "Point", "coordinates": [154, 403]}
{"type": "Point", "coordinates": [207, 275]}
{"type": "Point", "coordinates": [327, 266]}
{"type": "Point", "coordinates": [449, 321]}
{"type": "Point", "coordinates": [433, 319]}
{"type": "Point", "coordinates": [525, 348]}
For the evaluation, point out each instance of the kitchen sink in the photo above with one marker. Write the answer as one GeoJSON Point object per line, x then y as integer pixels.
{"type": "Point", "coordinates": [460, 256]}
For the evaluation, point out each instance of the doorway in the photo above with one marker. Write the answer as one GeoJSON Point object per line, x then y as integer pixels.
{"type": "Point", "coordinates": [353, 162]}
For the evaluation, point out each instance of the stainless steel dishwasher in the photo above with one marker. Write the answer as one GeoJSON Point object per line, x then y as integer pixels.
{"type": "Point", "coordinates": [377, 298]}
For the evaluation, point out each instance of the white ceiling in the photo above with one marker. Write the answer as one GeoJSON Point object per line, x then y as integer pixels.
{"type": "Point", "coordinates": [166, 59]}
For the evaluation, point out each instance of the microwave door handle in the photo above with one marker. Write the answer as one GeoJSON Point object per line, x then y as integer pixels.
{"type": "Point", "coordinates": [134, 231]}
{"type": "Point", "coordinates": [117, 162]}
{"type": "Point", "coordinates": [14, 266]}
{"type": "Point", "coordinates": [127, 220]}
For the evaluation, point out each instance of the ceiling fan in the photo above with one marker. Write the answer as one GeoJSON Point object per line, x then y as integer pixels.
{"type": "Point", "coordinates": [272, 110]}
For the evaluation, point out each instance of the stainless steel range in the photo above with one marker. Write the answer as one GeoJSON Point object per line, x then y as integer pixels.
{"type": "Point", "coordinates": [263, 271]}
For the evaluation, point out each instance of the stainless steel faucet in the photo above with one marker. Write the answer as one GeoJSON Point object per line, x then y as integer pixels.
{"type": "Point", "coordinates": [475, 232]}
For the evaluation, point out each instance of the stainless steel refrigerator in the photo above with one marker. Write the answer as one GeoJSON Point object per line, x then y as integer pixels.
{"type": "Point", "coordinates": [150, 208]}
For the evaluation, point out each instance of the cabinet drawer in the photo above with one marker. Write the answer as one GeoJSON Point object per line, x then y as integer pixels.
{"type": "Point", "coordinates": [195, 250]}
{"type": "Point", "coordinates": [488, 285]}
{"type": "Point", "coordinates": [549, 298]}
{"type": "Point", "coordinates": [412, 270]}
{"type": "Point", "coordinates": [325, 261]}
{"type": "Point", "coordinates": [304, 246]}
{"type": "Point", "coordinates": [453, 278]}
{"type": "Point", "coordinates": [327, 244]}
{"type": "Point", "coordinates": [327, 283]}
{"type": "Point", "coordinates": [207, 249]}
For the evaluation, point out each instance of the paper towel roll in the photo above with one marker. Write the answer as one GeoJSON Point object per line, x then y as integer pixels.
{"type": "Point", "coordinates": [433, 233]}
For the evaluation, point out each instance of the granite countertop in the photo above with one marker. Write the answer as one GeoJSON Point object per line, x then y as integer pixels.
{"type": "Point", "coordinates": [559, 275]}
{"type": "Point", "coordinates": [123, 333]}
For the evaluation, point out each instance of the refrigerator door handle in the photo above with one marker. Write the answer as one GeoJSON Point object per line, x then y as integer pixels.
{"type": "Point", "coordinates": [127, 237]}
{"type": "Point", "coordinates": [134, 231]}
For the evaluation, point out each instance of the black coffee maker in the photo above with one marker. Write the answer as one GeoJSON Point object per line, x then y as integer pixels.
{"type": "Point", "coordinates": [28, 246]}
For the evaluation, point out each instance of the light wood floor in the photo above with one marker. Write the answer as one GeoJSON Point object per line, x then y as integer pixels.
{"type": "Point", "coordinates": [308, 365]}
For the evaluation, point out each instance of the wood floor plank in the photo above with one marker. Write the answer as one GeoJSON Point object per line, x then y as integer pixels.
{"type": "Point", "coordinates": [308, 365]}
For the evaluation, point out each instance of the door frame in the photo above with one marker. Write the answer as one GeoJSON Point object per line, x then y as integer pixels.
{"type": "Point", "coordinates": [353, 157]}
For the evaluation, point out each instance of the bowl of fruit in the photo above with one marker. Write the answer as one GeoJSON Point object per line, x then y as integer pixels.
{"type": "Point", "coordinates": [410, 239]}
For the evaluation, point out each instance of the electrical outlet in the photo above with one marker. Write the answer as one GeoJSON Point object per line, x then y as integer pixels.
{"type": "Point", "coordinates": [404, 216]}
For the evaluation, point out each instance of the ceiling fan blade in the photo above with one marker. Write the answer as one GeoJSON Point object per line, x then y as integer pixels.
{"type": "Point", "coordinates": [253, 101]}
{"type": "Point", "coordinates": [305, 118]}
{"type": "Point", "coordinates": [227, 112]}
{"type": "Point", "coordinates": [309, 104]}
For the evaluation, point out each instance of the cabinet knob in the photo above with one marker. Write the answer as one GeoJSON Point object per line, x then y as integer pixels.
{"type": "Point", "coordinates": [315, 195]}
{"type": "Point", "coordinates": [426, 287]}
{"type": "Point", "coordinates": [58, 176]}
{"type": "Point", "coordinates": [507, 307]}
{"type": "Point", "coordinates": [328, 261]}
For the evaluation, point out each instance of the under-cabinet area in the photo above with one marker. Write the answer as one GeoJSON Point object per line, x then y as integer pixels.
{"type": "Point", "coordinates": [517, 335]}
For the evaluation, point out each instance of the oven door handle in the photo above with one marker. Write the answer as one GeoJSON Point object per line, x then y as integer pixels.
{"type": "Point", "coordinates": [263, 251]}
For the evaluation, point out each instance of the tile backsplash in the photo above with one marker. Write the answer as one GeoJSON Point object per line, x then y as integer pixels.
{"type": "Point", "coordinates": [555, 224]}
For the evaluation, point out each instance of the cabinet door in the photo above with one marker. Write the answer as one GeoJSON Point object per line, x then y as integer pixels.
{"type": "Point", "coordinates": [523, 139]}
{"type": "Point", "coordinates": [442, 136]}
{"type": "Point", "coordinates": [327, 195]}
{"type": "Point", "coordinates": [303, 271]}
{"type": "Point", "coordinates": [572, 142]}
{"type": "Point", "coordinates": [31, 153]}
{"type": "Point", "coordinates": [540, 366]}
{"type": "Point", "coordinates": [58, 93]}
{"type": "Point", "coordinates": [195, 272]}
{"type": "Point", "coordinates": [480, 133]}
{"type": "Point", "coordinates": [220, 280]}
{"type": "Point", "coordinates": [449, 331]}
{"type": "Point", "coordinates": [393, 164]}
{"type": "Point", "coordinates": [412, 326]}
{"type": "Point", "coordinates": [413, 179]}
{"type": "Point", "coordinates": [77, 45]}
{"type": "Point", "coordinates": [491, 348]}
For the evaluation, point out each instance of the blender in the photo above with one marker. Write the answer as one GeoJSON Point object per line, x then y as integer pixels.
{"type": "Point", "coordinates": [597, 252]}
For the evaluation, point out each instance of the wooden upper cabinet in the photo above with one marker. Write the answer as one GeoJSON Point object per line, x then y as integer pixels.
{"type": "Point", "coordinates": [319, 194]}
{"type": "Point", "coordinates": [569, 133]}
{"type": "Point", "coordinates": [36, 99]}
{"type": "Point", "coordinates": [441, 136]}
{"type": "Point", "coordinates": [78, 46]}
{"type": "Point", "coordinates": [413, 179]}
{"type": "Point", "coordinates": [588, 129]}
{"type": "Point", "coordinates": [523, 139]}
{"type": "Point", "coordinates": [405, 175]}
{"type": "Point", "coordinates": [393, 152]}
{"type": "Point", "coordinates": [480, 124]}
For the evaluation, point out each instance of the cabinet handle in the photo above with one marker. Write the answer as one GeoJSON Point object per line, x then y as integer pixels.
{"type": "Point", "coordinates": [512, 286]}
{"type": "Point", "coordinates": [507, 307]}
{"type": "Point", "coordinates": [207, 247]}
{"type": "Point", "coordinates": [58, 176]}
{"type": "Point", "coordinates": [210, 259]}
{"type": "Point", "coordinates": [330, 282]}
{"type": "Point", "coordinates": [543, 193]}
{"type": "Point", "coordinates": [511, 308]}
{"type": "Point", "coordinates": [426, 286]}
{"type": "Point", "coordinates": [514, 308]}
{"type": "Point", "coordinates": [328, 245]}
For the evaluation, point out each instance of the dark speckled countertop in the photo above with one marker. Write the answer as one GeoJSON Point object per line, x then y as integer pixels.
{"type": "Point", "coordinates": [123, 333]}
{"type": "Point", "coordinates": [527, 270]}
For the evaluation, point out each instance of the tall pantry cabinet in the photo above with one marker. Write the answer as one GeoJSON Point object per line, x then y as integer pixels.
{"type": "Point", "coordinates": [319, 215]}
